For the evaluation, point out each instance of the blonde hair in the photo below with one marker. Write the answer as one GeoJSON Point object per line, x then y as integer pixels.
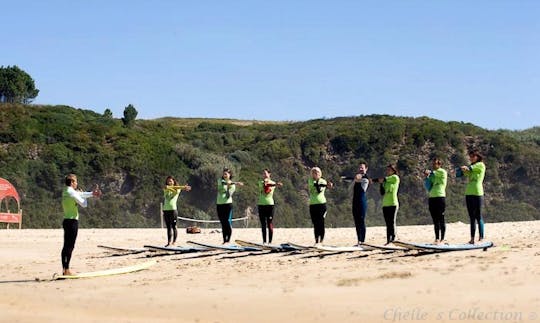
{"type": "Point", "coordinates": [70, 178]}
{"type": "Point", "coordinates": [316, 169]}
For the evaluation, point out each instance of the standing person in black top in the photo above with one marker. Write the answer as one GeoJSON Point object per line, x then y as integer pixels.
{"type": "Point", "coordinates": [359, 201]}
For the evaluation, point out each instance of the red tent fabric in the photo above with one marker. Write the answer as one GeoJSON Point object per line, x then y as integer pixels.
{"type": "Point", "coordinates": [7, 191]}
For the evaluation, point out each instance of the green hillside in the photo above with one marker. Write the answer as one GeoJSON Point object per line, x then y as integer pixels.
{"type": "Point", "coordinates": [40, 144]}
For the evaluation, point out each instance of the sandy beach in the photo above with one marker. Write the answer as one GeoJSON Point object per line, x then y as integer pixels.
{"type": "Point", "coordinates": [500, 284]}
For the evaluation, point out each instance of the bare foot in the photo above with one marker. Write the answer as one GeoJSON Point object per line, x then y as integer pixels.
{"type": "Point", "coordinates": [436, 242]}
{"type": "Point", "coordinates": [67, 272]}
{"type": "Point", "coordinates": [472, 241]}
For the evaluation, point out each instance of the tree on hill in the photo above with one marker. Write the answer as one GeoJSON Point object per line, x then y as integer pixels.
{"type": "Point", "coordinates": [16, 86]}
{"type": "Point", "coordinates": [130, 113]}
{"type": "Point", "coordinates": [108, 114]}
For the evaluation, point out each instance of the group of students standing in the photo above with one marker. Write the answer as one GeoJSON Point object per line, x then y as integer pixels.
{"type": "Point", "coordinates": [224, 204]}
{"type": "Point", "coordinates": [435, 183]}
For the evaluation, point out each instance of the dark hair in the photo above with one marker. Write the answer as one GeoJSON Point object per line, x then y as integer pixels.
{"type": "Point", "coordinates": [476, 153]}
{"type": "Point", "coordinates": [228, 170]}
{"type": "Point", "coordinates": [268, 170]}
{"type": "Point", "coordinates": [437, 160]}
{"type": "Point", "coordinates": [363, 162]}
{"type": "Point", "coordinates": [170, 177]}
{"type": "Point", "coordinates": [393, 168]}
{"type": "Point", "coordinates": [69, 179]}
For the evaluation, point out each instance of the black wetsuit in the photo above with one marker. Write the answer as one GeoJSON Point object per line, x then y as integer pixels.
{"type": "Point", "coordinates": [359, 207]}
{"type": "Point", "coordinates": [318, 213]}
{"type": "Point", "coordinates": [437, 206]}
{"type": "Point", "coordinates": [71, 228]}
{"type": "Point", "coordinates": [170, 217]}
{"type": "Point", "coordinates": [266, 215]}
{"type": "Point", "coordinates": [474, 207]}
{"type": "Point", "coordinates": [224, 212]}
{"type": "Point", "coordinates": [390, 213]}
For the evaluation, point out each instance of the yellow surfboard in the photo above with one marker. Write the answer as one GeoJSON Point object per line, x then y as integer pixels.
{"type": "Point", "coordinates": [109, 272]}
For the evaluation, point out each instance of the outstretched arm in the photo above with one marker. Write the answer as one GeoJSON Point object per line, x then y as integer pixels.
{"type": "Point", "coordinates": [79, 197]}
{"type": "Point", "coordinates": [178, 187]}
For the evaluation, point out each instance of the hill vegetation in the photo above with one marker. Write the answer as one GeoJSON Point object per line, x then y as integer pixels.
{"type": "Point", "coordinates": [40, 144]}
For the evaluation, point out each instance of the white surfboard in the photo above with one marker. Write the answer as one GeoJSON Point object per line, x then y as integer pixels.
{"type": "Point", "coordinates": [272, 247]}
{"type": "Point", "coordinates": [224, 247]}
{"type": "Point", "coordinates": [341, 249]}
{"type": "Point", "coordinates": [299, 246]}
{"type": "Point", "coordinates": [445, 247]}
{"type": "Point", "coordinates": [108, 272]}
{"type": "Point", "coordinates": [383, 247]}
{"type": "Point", "coordinates": [120, 249]}
{"type": "Point", "coordinates": [177, 249]}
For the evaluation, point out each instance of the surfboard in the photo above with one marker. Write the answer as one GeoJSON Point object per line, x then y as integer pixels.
{"type": "Point", "coordinates": [262, 246]}
{"type": "Point", "coordinates": [383, 247]}
{"type": "Point", "coordinates": [445, 247]}
{"type": "Point", "coordinates": [178, 249]}
{"type": "Point", "coordinates": [340, 249]}
{"type": "Point", "coordinates": [108, 272]}
{"type": "Point", "coordinates": [120, 249]}
{"type": "Point", "coordinates": [299, 246]}
{"type": "Point", "coordinates": [224, 247]}
{"type": "Point", "coordinates": [272, 247]}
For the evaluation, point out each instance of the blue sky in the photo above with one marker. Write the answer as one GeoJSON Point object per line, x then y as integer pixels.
{"type": "Point", "coordinates": [471, 61]}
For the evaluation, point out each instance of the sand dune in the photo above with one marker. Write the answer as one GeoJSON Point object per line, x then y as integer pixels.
{"type": "Point", "coordinates": [500, 284]}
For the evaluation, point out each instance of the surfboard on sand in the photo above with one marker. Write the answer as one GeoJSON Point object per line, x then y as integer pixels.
{"type": "Point", "coordinates": [384, 247]}
{"type": "Point", "coordinates": [444, 247]}
{"type": "Point", "coordinates": [120, 249]}
{"type": "Point", "coordinates": [177, 249]}
{"type": "Point", "coordinates": [272, 247]}
{"type": "Point", "coordinates": [224, 246]}
{"type": "Point", "coordinates": [341, 249]}
{"type": "Point", "coordinates": [299, 246]}
{"type": "Point", "coordinates": [108, 272]}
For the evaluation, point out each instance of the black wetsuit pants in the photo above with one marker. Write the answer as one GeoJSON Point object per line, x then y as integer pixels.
{"type": "Point", "coordinates": [474, 207]}
{"type": "Point", "coordinates": [266, 215]}
{"type": "Point", "coordinates": [437, 206]}
{"type": "Point", "coordinates": [170, 217]}
{"type": "Point", "coordinates": [390, 214]}
{"type": "Point", "coordinates": [359, 210]}
{"type": "Point", "coordinates": [224, 212]}
{"type": "Point", "coordinates": [318, 212]}
{"type": "Point", "coordinates": [71, 227]}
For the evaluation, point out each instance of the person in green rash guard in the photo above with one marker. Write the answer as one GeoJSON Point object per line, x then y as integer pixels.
{"type": "Point", "coordinates": [224, 206]}
{"type": "Point", "coordinates": [171, 191]}
{"type": "Point", "coordinates": [389, 189]}
{"type": "Point", "coordinates": [317, 202]}
{"type": "Point", "coordinates": [266, 204]}
{"type": "Point", "coordinates": [71, 197]}
{"type": "Point", "coordinates": [474, 192]}
{"type": "Point", "coordinates": [435, 183]}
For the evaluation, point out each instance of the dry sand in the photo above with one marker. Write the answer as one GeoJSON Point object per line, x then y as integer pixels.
{"type": "Point", "coordinates": [500, 284]}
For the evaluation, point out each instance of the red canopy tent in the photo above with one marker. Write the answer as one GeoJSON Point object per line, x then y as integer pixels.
{"type": "Point", "coordinates": [7, 193]}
